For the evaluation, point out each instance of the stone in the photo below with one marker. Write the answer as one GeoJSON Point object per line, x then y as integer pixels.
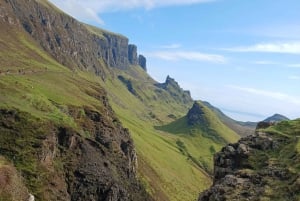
{"type": "Point", "coordinates": [143, 62]}
{"type": "Point", "coordinates": [132, 54]}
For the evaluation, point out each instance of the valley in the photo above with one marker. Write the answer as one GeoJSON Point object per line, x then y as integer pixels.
{"type": "Point", "coordinates": [81, 119]}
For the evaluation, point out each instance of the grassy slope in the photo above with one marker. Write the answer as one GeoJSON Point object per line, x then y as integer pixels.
{"type": "Point", "coordinates": [31, 81]}
{"type": "Point", "coordinates": [194, 138]}
{"type": "Point", "coordinates": [241, 128]}
{"type": "Point", "coordinates": [45, 89]}
{"type": "Point", "coordinates": [162, 164]}
{"type": "Point", "coordinates": [37, 84]}
{"type": "Point", "coordinates": [287, 157]}
{"type": "Point", "coordinates": [167, 173]}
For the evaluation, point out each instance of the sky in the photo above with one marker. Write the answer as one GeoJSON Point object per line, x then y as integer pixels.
{"type": "Point", "coordinates": [242, 56]}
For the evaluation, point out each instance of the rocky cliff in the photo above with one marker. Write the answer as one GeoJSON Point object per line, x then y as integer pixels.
{"type": "Point", "coordinates": [173, 88]}
{"type": "Point", "coordinates": [73, 44]}
{"type": "Point", "coordinates": [58, 163]}
{"type": "Point", "coordinates": [258, 167]}
{"type": "Point", "coordinates": [142, 62]}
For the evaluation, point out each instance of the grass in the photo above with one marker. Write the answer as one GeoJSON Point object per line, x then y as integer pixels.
{"type": "Point", "coordinates": [48, 91]}
{"type": "Point", "coordinates": [164, 166]}
{"type": "Point", "coordinates": [209, 138]}
{"type": "Point", "coordinates": [174, 171]}
{"type": "Point", "coordinates": [12, 187]}
{"type": "Point", "coordinates": [286, 157]}
{"type": "Point", "coordinates": [43, 93]}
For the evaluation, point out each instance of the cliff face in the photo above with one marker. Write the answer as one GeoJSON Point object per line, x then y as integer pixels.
{"type": "Point", "coordinates": [258, 167]}
{"type": "Point", "coordinates": [70, 42]}
{"type": "Point", "coordinates": [196, 115]}
{"type": "Point", "coordinates": [142, 62]}
{"type": "Point", "coordinates": [173, 88]}
{"type": "Point", "coordinates": [58, 163]}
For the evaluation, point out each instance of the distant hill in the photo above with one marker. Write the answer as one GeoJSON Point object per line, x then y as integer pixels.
{"type": "Point", "coordinates": [276, 118]}
{"type": "Point", "coordinates": [241, 128]}
{"type": "Point", "coordinates": [200, 128]}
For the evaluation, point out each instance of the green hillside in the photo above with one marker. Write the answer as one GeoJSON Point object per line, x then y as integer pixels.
{"type": "Point", "coordinates": [164, 164]}
{"type": "Point", "coordinates": [200, 140]}
{"type": "Point", "coordinates": [174, 158]}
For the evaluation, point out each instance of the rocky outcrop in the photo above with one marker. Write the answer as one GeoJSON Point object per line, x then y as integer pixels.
{"type": "Point", "coordinates": [248, 169]}
{"type": "Point", "coordinates": [143, 62]}
{"type": "Point", "coordinates": [195, 115]}
{"type": "Point", "coordinates": [73, 44]}
{"type": "Point", "coordinates": [132, 54]}
{"type": "Point", "coordinates": [60, 163]}
{"type": "Point", "coordinates": [173, 88]}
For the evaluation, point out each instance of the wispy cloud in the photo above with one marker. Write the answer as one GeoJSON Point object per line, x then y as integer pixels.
{"type": "Point", "coordinates": [90, 9]}
{"type": "Point", "coordinates": [187, 55]}
{"type": "Point", "coordinates": [274, 63]}
{"type": "Point", "coordinates": [277, 47]}
{"type": "Point", "coordinates": [271, 94]}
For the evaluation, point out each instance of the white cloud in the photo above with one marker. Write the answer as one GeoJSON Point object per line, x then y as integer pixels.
{"type": "Point", "coordinates": [83, 11]}
{"type": "Point", "coordinates": [187, 55]}
{"type": "Point", "coordinates": [271, 94]}
{"type": "Point", "coordinates": [90, 9]}
{"type": "Point", "coordinates": [277, 47]}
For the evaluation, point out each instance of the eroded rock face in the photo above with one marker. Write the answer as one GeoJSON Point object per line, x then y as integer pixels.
{"type": "Point", "coordinates": [70, 42]}
{"type": "Point", "coordinates": [196, 115]}
{"type": "Point", "coordinates": [143, 62]}
{"type": "Point", "coordinates": [132, 54]}
{"type": "Point", "coordinates": [173, 88]}
{"type": "Point", "coordinates": [66, 165]}
{"type": "Point", "coordinates": [244, 170]}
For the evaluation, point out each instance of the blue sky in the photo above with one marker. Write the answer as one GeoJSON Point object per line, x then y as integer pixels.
{"type": "Point", "coordinates": [242, 56]}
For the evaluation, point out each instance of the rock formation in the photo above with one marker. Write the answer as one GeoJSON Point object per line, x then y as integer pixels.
{"type": "Point", "coordinates": [196, 115]}
{"type": "Point", "coordinates": [65, 165]}
{"type": "Point", "coordinates": [73, 44]}
{"type": "Point", "coordinates": [132, 54]}
{"type": "Point", "coordinates": [172, 87]}
{"type": "Point", "coordinates": [249, 169]}
{"type": "Point", "coordinates": [142, 62]}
